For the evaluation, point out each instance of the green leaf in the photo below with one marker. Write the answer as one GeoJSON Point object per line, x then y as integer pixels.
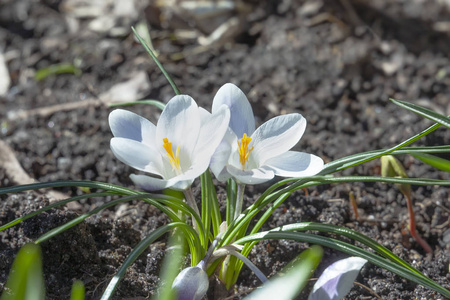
{"type": "Point", "coordinates": [231, 200]}
{"type": "Point", "coordinates": [349, 249]}
{"type": "Point", "coordinates": [293, 279]}
{"type": "Point", "coordinates": [77, 291]}
{"type": "Point", "coordinates": [360, 158]}
{"type": "Point", "coordinates": [392, 167]}
{"type": "Point", "coordinates": [172, 262]}
{"type": "Point", "coordinates": [153, 56]}
{"type": "Point", "coordinates": [25, 279]}
{"type": "Point", "coordinates": [79, 219]}
{"type": "Point", "coordinates": [434, 161]}
{"type": "Point", "coordinates": [424, 112]}
{"type": "Point", "coordinates": [56, 204]}
{"type": "Point", "coordinates": [113, 284]}
{"type": "Point", "coordinates": [57, 69]}
{"type": "Point", "coordinates": [156, 103]}
{"type": "Point", "coordinates": [69, 183]}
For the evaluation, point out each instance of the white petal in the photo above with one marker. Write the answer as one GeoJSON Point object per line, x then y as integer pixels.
{"type": "Point", "coordinates": [137, 155]}
{"type": "Point", "coordinates": [194, 171]}
{"type": "Point", "coordinates": [180, 123]}
{"type": "Point", "coordinates": [182, 185]}
{"type": "Point", "coordinates": [127, 124]}
{"type": "Point", "coordinates": [221, 156]}
{"type": "Point", "coordinates": [295, 164]}
{"type": "Point", "coordinates": [178, 182]}
{"type": "Point", "coordinates": [276, 136]}
{"type": "Point", "coordinates": [254, 176]}
{"type": "Point", "coordinates": [192, 283]}
{"type": "Point", "coordinates": [337, 280]}
{"type": "Point", "coordinates": [149, 183]}
{"type": "Point", "coordinates": [242, 119]}
{"type": "Point", "coordinates": [212, 130]}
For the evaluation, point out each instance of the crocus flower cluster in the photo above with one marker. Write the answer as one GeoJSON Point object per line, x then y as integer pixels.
{"type": "Point", "coordinates": [188, 139]}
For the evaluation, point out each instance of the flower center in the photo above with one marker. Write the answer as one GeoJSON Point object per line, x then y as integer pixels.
{"type": "Point", "coordinates": [244, 152]}
{"type": "Point", "coordinates": [174, 159]}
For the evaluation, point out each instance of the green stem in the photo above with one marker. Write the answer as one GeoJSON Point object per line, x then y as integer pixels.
{"type": "Point", "coordinates": [190, 199]}
{"type": "Point", "coordinates": [160, 66]}
{"type": "Point", "coordinates": [239, 200]}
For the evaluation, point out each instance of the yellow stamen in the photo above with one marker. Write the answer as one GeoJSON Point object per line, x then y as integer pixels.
{"type": "Point", "coordinates": [174, 159]}
{"type": "Point", "coordinates": [244, 152]}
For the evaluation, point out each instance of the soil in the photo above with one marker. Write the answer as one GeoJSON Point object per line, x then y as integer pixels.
{"type": "Point", "coordinates": [335, 62]}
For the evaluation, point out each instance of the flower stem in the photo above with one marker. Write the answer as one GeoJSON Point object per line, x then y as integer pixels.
{"type": "Point", "coordinates": [239, 200]}
{"type": "Point", "coordinates": [250, 265]}
{"type": "Point", "coordinates": [412, 225]}
{"type": "Point", "coordinates": [229, 250]}
{"type": "Point", "coordinates": [190, 199]}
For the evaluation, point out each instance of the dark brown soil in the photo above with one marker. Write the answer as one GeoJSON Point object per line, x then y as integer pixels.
{"type": "Point", "coordinates": [335, 62]}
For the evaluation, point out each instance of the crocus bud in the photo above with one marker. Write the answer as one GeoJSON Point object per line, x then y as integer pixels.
{"type": "Point", "coordinates": [337, 280]}
{"type": "Point", "coordinates": [192, 283]}
{"type": "Point", "coordinates": [392, 167]}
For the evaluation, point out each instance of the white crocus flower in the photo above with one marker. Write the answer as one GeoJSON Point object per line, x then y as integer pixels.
{"type": "Point", "coordinates": [192, 283]}
{"type": "Point", "coordinates": [337, 279]}
{"type": "Point", "coordinates": [177, 150]}
{"type": "Point", "coordinates": [255, 156]}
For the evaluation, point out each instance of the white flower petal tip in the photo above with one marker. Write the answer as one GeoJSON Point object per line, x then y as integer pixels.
{"type": "Point", "coordinates": [177, 150]}
{"type": "Point", "coordinates": [255, 176]}
{"type": "Point", "coordinates": [295, 164]}
{"type": "Point", "coordinates": [191, 283]}
{"type": "Point", "coordinates": [337, 280]}
{"type": "Point", "coordinates": [242, 119]}
{"type": "Point", "coordinates": [256, 156]}
{"type": "Point", "coordinates": [126, 124]}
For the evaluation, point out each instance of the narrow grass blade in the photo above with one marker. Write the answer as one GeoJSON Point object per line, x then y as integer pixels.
{"type": "Point", "coordinates": [336, 165]}
{"type": "Point", "coordinates": [63, 68]}
{"type": "Point", "coordinates": [161, 202]}
{"type": "Point", "coordinates": [79, 219]}
{"type": "Point", "coordinates": [25, 280]}
{"type": "Point", "coordinates": [171, 266]}
{"type": "Point", "coordinates": [213, 204]}
{"type": "Point", "coordinates": [112, 286]}
{"type": "Point", "coordinates": [358, 159]}
{"type": "Point", "coordinates": [231, 200]}
{"type": "Point", "coordinates": [434, 161]}
{"type": "Point", "coordinates": [56, 204]}
{"type": "Point", "coordinates": [424, 112]}
{"type": "Point", "coordinates": [156, 103]}
{"type": "Point", "coordinates": [153, 56]}
{"type": "Point", "coordinates": [340, 163]}
{"type": "Point", "coordinates": [216, 217]}
{"type": "Point", "coordinates": [412, 181]}
{"type": "Point", "coordinates": [294, 278]}
{"type": "Point", "coordinates": [206, 206]}
{"type": "Point", "coordinates": [252, 210]}
{"type": "Point", "coordinates": [69, 183]}
{"type": "Point", "coordinates": [354, 235]}
{"type": "Point", "coordinates": [349, 249]}
{"type": "Point", "coordinates": [77, 291]}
